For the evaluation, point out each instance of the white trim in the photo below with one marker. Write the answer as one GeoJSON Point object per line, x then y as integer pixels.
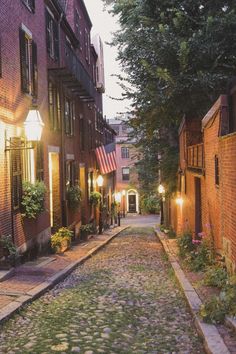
{"type": "Point", "coordinates": [55, 149]}
{"type": "Point", "coordinates": [26, 30]}
{"type": "Point", "coordinates": [70, 156]}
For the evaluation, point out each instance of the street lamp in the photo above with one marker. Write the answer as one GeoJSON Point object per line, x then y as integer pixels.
{"type": "Point", "coordinates": [100, 181]}
{"type": "Point", "coordinates": [179, 201]}
{"type": "Point", "coordinates": [161, 191]}
{"type": "Point", "coordinates": [118, 201]}
{"type": "Point", "coordinates": [123, 195]}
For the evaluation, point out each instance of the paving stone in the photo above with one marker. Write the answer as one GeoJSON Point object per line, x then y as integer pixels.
{"type": "Point", "coordinates": [122, 300]}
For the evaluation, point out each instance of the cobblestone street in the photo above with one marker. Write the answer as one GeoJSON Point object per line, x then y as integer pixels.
{"type": "Point", "coordinates": [123, 300]}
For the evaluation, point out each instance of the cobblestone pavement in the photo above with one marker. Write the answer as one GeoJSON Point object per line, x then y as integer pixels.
{"type": "Point", "coordinates": [123, 300]}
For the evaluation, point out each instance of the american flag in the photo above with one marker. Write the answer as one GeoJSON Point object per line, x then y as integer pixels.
{"type": "Point", "coordinates": [106, 157]}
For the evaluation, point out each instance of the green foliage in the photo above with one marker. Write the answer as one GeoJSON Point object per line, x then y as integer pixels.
{"type": "Point", "coordinates": [33, 199]}
{"type": "Point", "coordinates": [60, 237]}
{"type": "Point", "coordinates": [150, 204]}
{"type": "Point", "coordinates": [171, 233]}
{"type": "Point", "coordinates": [74, 197]}
{"type": "Point", "coordinates": [216, 276]}
{"type": "Point", "coordinates": [213, 311]}
{"type": "Point", "coordinates": [95, 198]}
{"type": "Point", "coordinates": [200, 257]}
{"type": "Point", "coordinates": [7, 244]}
{"type": "Point", "coordinates": [185, 244]}
{"type": "Point", "coordinates": [178, 56]}
{"type": "Point", "coordinates": [87, 228]}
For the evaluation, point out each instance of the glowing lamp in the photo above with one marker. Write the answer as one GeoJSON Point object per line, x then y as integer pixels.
{"type": "Point", "coordinates": [179, 201]}
{"type": "Point", "coordinates": [118, 197]}
{"type": "Point", "coordinates": [123, 192]}
{"type": "Point", "coordinates": [100, 181]}
{"type": "Point", "coordinates": [33, 125]}
{"type": "Point", "coordinates": [161, 189]}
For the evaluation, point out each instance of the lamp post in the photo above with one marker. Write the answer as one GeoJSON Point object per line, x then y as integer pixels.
{"type": "Point", "coordinates": [123, 196]}
{"type": "Point", "coordinates": [161, 191]}
{"type": "Point", "coordinates": [118, 201]}
{"type": "Point", "coordinates": [100, 181]}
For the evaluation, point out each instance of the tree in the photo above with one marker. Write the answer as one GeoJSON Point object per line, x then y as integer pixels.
{"type": "Point", "coordinates": [178, 56]}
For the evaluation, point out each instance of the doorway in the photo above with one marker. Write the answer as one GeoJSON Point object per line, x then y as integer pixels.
{"type": "Point", "coordinates": [54, 190]}
{"type": "Point", "coordinates": [198, 206]}
{"type": "Point", "coordinates": [132, 203]}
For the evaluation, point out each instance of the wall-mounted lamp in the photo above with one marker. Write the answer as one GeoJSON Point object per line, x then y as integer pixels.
{"type": "Point", "coordinates": [118, 197]}
{"type": "Point", "coordinates": [33, 131]}
{"type": "Point", "coordinates": [100, 181]}
{"type": "Point", "coordinates": [161, 189]}
{"type": "Point", "coordinates": [179, 201]}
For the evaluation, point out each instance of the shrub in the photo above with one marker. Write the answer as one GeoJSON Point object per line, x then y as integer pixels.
{"type": "Point", "coordinates": [7, 244]}
{"type": "Point", "coordinates": [33, 199]}
{"type": "Point", "coordinates": [74, 197]}
{"type": "Point", "coordinates": [150, 204]}
{"type": "Point", "coordinates": [216, 276]}
{"type": "Point", "coordinates": [87, 228]}
{"type": "Point", "coordinates": [95, 198]}
{"type": "Point", "coordinates": [185, 244]}
{"type": "Point", "coordinates": [200, 257]}
{"type": "Point", "coordinates": [214, 310]}
{"type": "Point", "coordinates": [61, 236]}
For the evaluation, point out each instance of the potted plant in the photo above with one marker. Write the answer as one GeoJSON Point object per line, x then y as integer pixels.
{"type": "Point", "coordinates": [33, 199]}
{"type": "Point", "coordinates": [74, 197]}
{"type": "Point", "coordinates": [61, 240]}
{"type": "Point", "coordinates": [9, 250]}
{"type": "Point", "coordinates": [95, 198]}
{"type": "Point", "coordinates": [86, 230]}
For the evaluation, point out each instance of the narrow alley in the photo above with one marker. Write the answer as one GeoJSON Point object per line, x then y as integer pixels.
{"type": "Point", "coordinates": [123, 300]}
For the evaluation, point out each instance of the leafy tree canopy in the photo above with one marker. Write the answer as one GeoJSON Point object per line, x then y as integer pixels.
{"type": "Point", "coordinates": [178, 56]}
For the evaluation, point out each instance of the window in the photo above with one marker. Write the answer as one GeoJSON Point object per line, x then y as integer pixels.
{"type": "Point", "coordinates": [125, 152]}
{"type": "Point", "coordinates": [87, 45]}
{"type": "Point", "coordinates": [54, 106]}
{"type": "Point", "coordinates": [39, 162]}
{"type": "Point", "coordinates": [30, 4]}
{"type": "Point", "coordinates": [16, 168]}
{"type": "Point", "coordinates": [217, 175]}
{"type": "Point", "coordinates": [70, 173]}
{"type": "Point", "coordinates": [28, 60]}
{"type": "Point", "coordinates": [82, 132]}
{"type": "Point", "coordinates": [52, 36]}
{"type": "Point", "coordinates": [125, 173]}
{"type": "Point", "coordinates": [69, 116]}
{"type": "Point", "coordinates": [0, 57]}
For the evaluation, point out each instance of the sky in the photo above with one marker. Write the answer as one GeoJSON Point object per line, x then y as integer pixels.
{"type": "Point", "coordinates": [104, 24]}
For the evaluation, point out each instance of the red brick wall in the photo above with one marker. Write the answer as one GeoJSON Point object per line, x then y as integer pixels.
{"type": "Point", "coordinates": [227, 146]}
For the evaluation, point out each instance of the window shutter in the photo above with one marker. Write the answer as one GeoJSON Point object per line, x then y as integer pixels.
{"type": "Point", "coordinates": [24, 77]}
{"type": "Point", "coordinates": [47, 15]}
{"type": "Point", "coordinates": [32, 5]}
{"type": "Point", "coordinates": [34, 70]}
{"type": "Point", "coordinates": [16, 167]}
{"type": "Point", "coordinates": [56, 40]}
{"type": "Point", "coordinates": [39, 162]}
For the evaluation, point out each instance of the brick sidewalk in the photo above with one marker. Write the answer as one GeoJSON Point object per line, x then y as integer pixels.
{"type": "Point", "coordinates": [32, 279]}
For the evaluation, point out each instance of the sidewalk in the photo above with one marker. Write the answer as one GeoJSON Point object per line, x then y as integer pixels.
{"type": "Point", "coordinates": [29, 281]}
{"type": "Point", "coordinates": [213, 342]}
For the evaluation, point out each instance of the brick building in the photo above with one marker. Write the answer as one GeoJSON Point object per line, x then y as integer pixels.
{"type": "Point", "coordinates": [207, 182]}
{"type": "Point", "coordinates": [48, 61]}
{"type": "Point", "coordinates": [126, 174]}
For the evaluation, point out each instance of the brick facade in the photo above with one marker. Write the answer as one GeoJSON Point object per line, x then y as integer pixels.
{"type": "Point", "coordinates": [217, 180]}
{"type": "Point", "coordinates": [67, 61]}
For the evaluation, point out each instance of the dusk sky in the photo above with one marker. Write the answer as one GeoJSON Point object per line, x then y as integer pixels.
{"type": "Point", "coordinates": [105, 24]}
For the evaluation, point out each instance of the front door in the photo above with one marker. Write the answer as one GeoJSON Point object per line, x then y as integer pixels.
{"type": "Point", "coordinates": [54, 191]}
{"type": "Point", "coordinates": [198, 206]}
{"type": "Point", "coordinates": [132, 204]}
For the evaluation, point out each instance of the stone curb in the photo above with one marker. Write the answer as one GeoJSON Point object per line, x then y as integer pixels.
{"type": "Point", "coordinates": [213, 342]}
{"type": "Point", "coordinates": [39, 290]}
{"type": "Point", "coordinates": [231, 322]}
